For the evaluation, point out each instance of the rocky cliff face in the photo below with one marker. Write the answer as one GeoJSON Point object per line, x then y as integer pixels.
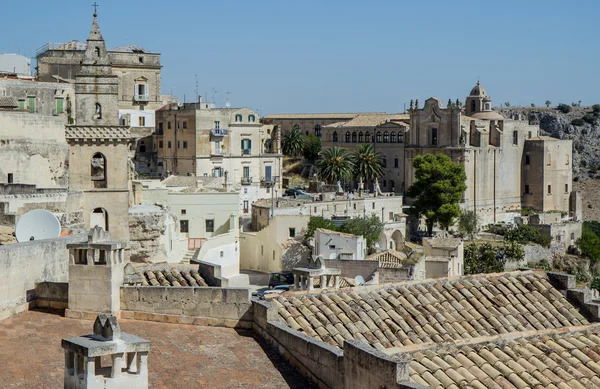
{"type": "Point", "coordinates": [586, 137]}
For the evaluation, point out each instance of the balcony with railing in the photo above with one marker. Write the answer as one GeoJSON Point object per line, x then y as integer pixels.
{"type": "Point", "coordinates": [217, 152]}
{"type": "Point", "coordinates": [141, 97]}
{"type": "Point", "coordinates": [269, 180]}
{"type": "Point", "coordinates": [246, 151]}
{"type": "Point", "coordinates": [219, 132]}
{"type": "Point", "coordinates": [246, 180]}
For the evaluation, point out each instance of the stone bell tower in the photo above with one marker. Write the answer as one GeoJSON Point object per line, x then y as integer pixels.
{"type": "Point", "coordinates": [98, 145]}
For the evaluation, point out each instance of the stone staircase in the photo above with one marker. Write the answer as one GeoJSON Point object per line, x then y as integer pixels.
{"type": "Point", "coordinates": [189, 255]}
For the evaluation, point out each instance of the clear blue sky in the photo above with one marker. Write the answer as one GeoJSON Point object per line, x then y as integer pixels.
{"type": "Point", "coordinates": [339, 56]}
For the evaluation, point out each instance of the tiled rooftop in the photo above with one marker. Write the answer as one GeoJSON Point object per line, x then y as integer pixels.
{"type": "Point", "coordinates": [564, 358]}
{"type": "Point", "coordinates": [171, 277]}
{"type": "Point", "coordinates": [371, 120]}
{"type": "Point", "coordinates": [431, 311]}
{"type": "Point", "coordinates": [182, 356]}
{"type": "Point", "coordinates": [390, 259]}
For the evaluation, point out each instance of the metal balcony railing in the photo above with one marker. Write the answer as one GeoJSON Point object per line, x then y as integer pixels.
{"type": "Point", "coordinates": [219, 132]}
{"type": "Point", "coordinates": [246, 180]}
{"type": "Point", "coordinates": [246, 151]}
{"type": "Point", "coordinates": [269, 180]}
{"type": "Point", "coordinates": [141, 98]}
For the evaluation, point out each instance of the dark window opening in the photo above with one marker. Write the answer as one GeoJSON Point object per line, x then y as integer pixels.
{"type": "Point", "coordinates": [210, 225]}
{"type": "Point", "coordinates": [526, 159]}
{"type": "Point", "coordinates": [527, 189]}
{"type": "Point", "coordinates": [184, 226]}
{"type": "Point", "coordinates": [10, 178]}
{"type": "Point", "coordinates": [292, 232]}
{"type": "Point", "coordinates": [98, 170]}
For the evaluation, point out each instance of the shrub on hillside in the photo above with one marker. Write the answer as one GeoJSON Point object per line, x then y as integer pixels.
{"type": "Point", "coordinates": [590, 119]}
{"type": "Point", "coordinates": [596, 108]}
{"type": "Point", "coordinates": [577, 122]}
{"type": "Point", "coordinates": [564, 108]}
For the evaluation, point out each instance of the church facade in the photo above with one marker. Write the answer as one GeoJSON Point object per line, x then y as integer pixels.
{"type": "Point", "coordinates": [509, 166]}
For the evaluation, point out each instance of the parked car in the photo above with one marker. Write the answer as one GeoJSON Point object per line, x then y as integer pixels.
{"type": "Point", "coordinates": [296, 193]}
{"type": "Point", "coordinates": [261, 294]}
{"type": "Point", "coordinates": [282, 278]}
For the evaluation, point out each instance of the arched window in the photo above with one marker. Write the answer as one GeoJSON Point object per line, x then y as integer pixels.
{"type": "Point", "coordinates": [334, 137]}
{"type": "Point", "coordinates": [98, 170]}
{"type": "Point", "coordinates": [378, 139]}
{"type": "Point", "coordinates": [98, 113]}
{"type": "Point", "coordinates": [472, 105]}
{"type": "Point", "coordinates": [318, 130]}
{"type": "Point", "coordinates": [238, 118]}
{"type": "Point", "coordinates": [400, 137]}
{"type": "Point", "coordinates": [97, 50]}
{"type": "Point", "coordinates": [99, 217]}
{"type": "Point", "coordinates": [487, 106]}
{"type": "Point", "coordinates": [354, 137]}
{"type": "Point", "coordinates": [368, 137]}
{"type": "Point", "coordinates": [347, 136]}
{"type": "Point", "coordinates": [361, 137]}
{"type": "Point", "coordinates": [251, 118]}
{"type": "Point", "coordinates": [393, 137]}
{"type": "Point", "coordinates": [386, 137]}
{"type": "Point", "coordinates": [392, 185]}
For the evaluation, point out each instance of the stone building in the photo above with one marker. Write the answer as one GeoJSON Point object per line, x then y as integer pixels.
{"type": "Point", "coordinates": [45, 98]}
{"type": "Point", "coordinates": [508, 165]}
{"type": "Point", "coordinates": [309, 123]}
{"type": "Point", "coordinates": [98, 145]}
{"type": "Point", "coordinates": [385, 132]}
{"type": "Point", "coordinates": [137, 74]}
{"type": "Point", "coordinates": [197, 139]}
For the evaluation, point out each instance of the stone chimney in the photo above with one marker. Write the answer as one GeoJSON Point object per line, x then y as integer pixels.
{"type": "Point", "coordinates": [83, 355]}
{"type": "Point", "coordinates": [96, 270]}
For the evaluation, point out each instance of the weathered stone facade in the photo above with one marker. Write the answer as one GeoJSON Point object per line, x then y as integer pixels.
{"type": "Point", "coordinates": [98, 146]}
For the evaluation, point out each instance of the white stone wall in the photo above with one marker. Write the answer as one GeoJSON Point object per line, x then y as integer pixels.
{"type": "Point", "coordinates": [332, 245]}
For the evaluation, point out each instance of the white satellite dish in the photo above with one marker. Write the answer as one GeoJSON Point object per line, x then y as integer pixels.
{"type": "Point", "coordinates": [180, 104]}
{"type": "Point", "coordinates": [164, 102]}
{"type": "Point", "coordinates": [212, 106]}
{"type": "Point", "coordinates": [333, 256]}
{"type": "Point", "coordinates": [359, 280]}
{"type": "Point", "coordinates": [36, 225]}
{"type": "Point", "coordinates": [228, 104]}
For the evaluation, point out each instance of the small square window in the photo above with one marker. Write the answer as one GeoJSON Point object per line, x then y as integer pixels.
{"type": "Point", "coordinates": [527, 159]}
{"type": "Point", "coordinates": [184, 124]}
{"type": "Point", "coordinates": [527, 189]}
{"type": "Point", "coordinates": [292, 232]}
{"type": "Point", "coordinates": [210, 225]}
{"type": "Point", "coordinates": [185, 144]}
{"type": "Point", "coordinates": [169, 144]}
{"type": "Point", "coordinates": [549, 189]}
{"type": "Point", "coordinates": [566, 188]}
{"type": "Point", "coordinates": [331, 247]}
{"type": "Point", "coordinates": [183, 226]}
{"type": "Point", "coordinates": [10, 178]}
{"type": "Point", "coordinates": [168, 125]}
{"type": "Point", "coordinates": [221, 254]}
{"type": "Point", "coordinates": [183, 212]}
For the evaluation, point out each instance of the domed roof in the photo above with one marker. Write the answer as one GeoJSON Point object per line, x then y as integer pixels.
{"type": "Point", "coordinates": [478, 90]}
{"type": "Point", "coordinates": [487, 115]}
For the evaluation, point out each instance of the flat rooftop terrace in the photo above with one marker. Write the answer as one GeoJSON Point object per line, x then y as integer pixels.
{"type": "Point", "coordinates": [182, 356]}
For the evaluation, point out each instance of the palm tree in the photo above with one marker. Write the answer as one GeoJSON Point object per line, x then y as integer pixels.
{"type": "Point", "coordinates": [335, 164]}
{"type": "Point", "coordinates": [292, 143]}
{"type": "Point", "coordinates": [368, 164]}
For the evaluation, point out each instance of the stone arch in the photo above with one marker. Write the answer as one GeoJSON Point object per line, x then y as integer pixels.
{"type": "Point", "coordinates": [398, 240]}
{"type": "Point", "coordinates": [98, 170]}
{"type": "Point", "coordinates": [99, 217]}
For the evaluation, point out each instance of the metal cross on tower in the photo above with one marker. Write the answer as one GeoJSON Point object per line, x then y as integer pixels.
{"type": "Point", "coordinates": [95, 5]}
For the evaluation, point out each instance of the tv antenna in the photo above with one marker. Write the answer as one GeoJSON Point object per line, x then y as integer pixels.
{"type": "Point", "coordinates": [213, 93]}
{"type": "Point", "coordinates": [228, 104]}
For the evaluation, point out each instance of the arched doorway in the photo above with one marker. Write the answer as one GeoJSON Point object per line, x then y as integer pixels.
{"type": "Point", "coordinates": [99, 217]}
{"type": "Point", "coordinates": [398, 240]}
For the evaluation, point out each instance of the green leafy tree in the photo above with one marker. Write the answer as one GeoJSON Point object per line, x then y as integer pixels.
{"type": "Point", "coordinates": [335, 164]}
{"type": "Point", "coordinates": [368, 164]}
{"type": "Point", "coordinates": [532, 105]}
{"type": "Point", "coordinates": [589, 244]}
{"type": "Point", "coordinates": [548, 103]}
{"type": "Point", "coordinates": [437, 190]}
{"type": "Point", "coordinates": [596, 108]}
{"type": "Point", "coordinates": [507, 104]}
{"type": "Point", "coordinates": [524, 234]}
{"type": "Point", "coordinates": [292, 143]}
{"type": "Point", "coordinates": [483, 258]}
{"type": "Point", "coordinates": [311, 147]}
{"type": "Point", "coordinates": [318, 222]}
{"type": "Point", "coordinates": [514, 250]}
{"type": "Point", "coordinates": [467, 223]}
{"type": "Point", "coordinates": [369, 227]}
